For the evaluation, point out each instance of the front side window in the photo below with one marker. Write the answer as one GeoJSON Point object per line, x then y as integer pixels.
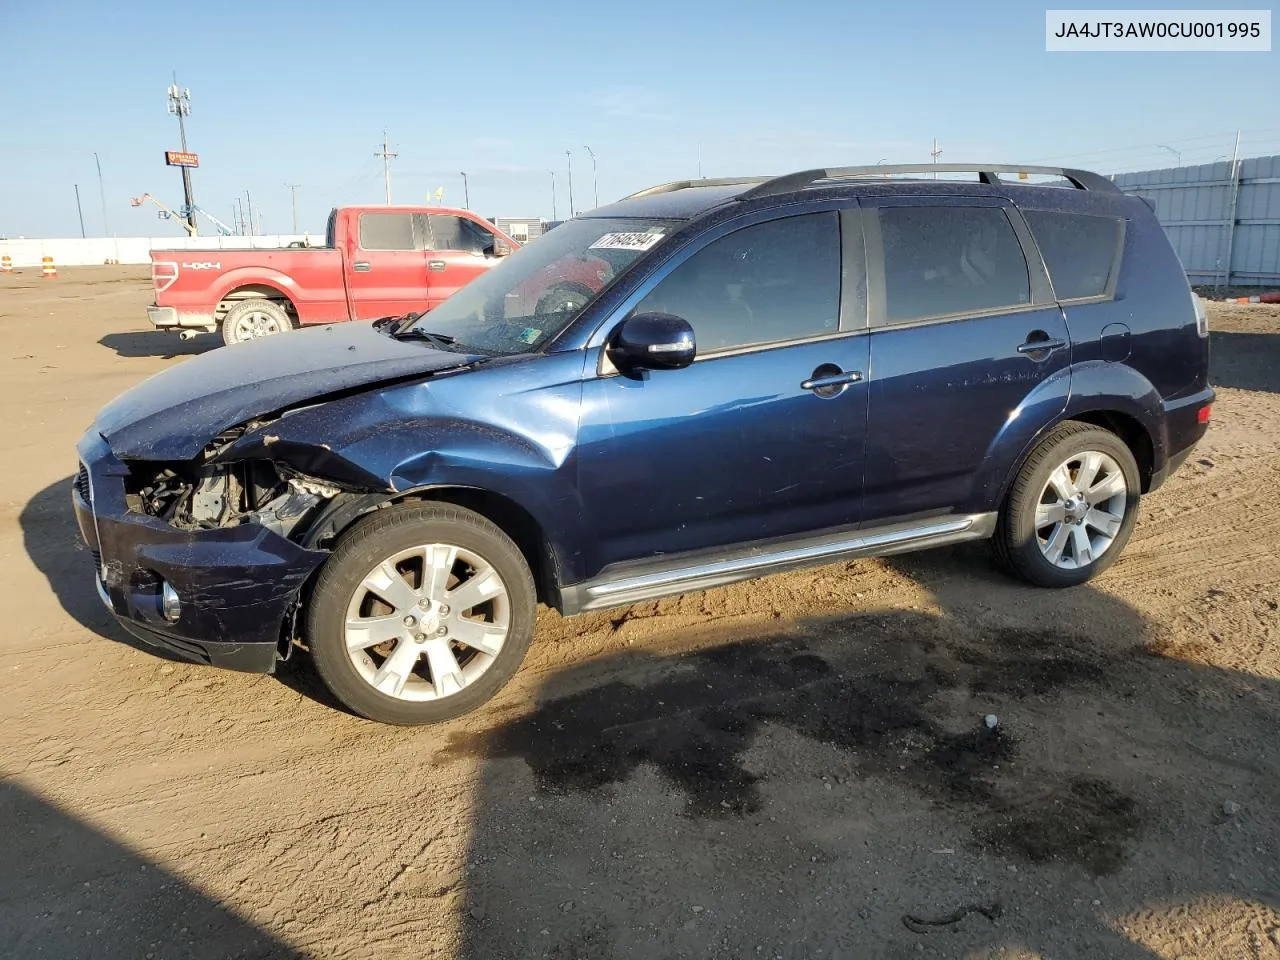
{"type": "Point", "coordinates": [1079, 250]}
{"type": "Point", "coordinates": [386, 231]}
{"type": "Point", "coordinates": [448, 232]}
{"type": "Point", "coordinates": [529, 297]}
{"type": "Point", "coordinates": [771, 282]}
{"type": "Point", "coordinates": [947, 260]}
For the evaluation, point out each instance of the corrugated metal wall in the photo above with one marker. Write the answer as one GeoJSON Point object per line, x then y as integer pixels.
{"type": "Point", "coordinates": [1194, 206]}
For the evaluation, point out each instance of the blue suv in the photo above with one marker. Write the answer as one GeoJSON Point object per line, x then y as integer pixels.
{"type": "Point", "coordinates": [707, 381]}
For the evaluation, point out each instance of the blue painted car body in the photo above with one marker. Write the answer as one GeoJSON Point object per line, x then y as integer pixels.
{"type": "Point", "coordinates": [595, 473]}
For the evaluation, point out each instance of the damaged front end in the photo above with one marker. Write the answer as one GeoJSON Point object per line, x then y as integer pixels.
{"type": "Point", "coordinates": [207, 558]}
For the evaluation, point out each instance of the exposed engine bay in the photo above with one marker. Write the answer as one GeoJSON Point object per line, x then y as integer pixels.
{"type": "Point", "coordinates": [207, 495]}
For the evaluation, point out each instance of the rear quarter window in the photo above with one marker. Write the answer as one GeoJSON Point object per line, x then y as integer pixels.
{"type": "Point", "coordinates": [1081, 251]}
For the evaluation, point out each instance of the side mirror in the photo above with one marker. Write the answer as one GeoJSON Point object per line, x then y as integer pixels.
{"type": "Point", "coordinates": [652, 341]}
{"type": "Point", "coordinates": [499, 249]}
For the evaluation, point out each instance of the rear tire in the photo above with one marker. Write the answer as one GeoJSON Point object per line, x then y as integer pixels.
{"type": "Point", "coordinates": [254, 319]}
{"type": "Point", "coordinates": [1071, 508]}
{"type": "Point", "coordinates": [422, 613]}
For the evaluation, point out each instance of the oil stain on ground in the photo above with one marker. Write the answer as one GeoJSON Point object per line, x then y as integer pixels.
{"type": "Point", "coordinates": [693, 717]}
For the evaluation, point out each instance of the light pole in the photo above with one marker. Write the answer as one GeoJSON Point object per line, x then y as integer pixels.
{"type": "Point", "coordinates": [1177, 154]}
{"type": "Point", "coordinates": [569, 156]}
{"type": "Point", "coordinates": [595, 182]}
{"type": "Point", "coordinates": [553, 194]}
{"type": "Point", "coordinates": [102, 195]}
{"type": "Point", "coordinates": [293, 193]}
{"type": "Point", "coordinates": [466, 192]}
{"type": "Point", "coordinates": [180, 106]}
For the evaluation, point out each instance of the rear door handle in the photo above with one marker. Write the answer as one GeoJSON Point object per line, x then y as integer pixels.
{"type": "Point", "coordinates": [1036, 346]}
{"type": "Point", "coordinates": [436, 266]}
{"type": "Point", "coordinates": [823, 385]}
{"type": "Point", "coordinates": [361, 266]}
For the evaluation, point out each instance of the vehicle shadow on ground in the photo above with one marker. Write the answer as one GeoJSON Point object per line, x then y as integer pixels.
{"type": "Point", "coordinates": [159, 343]}
{"type": "Point", "coordinates": [67, 890]}
{"type": "Point", "coordinates": [52, 541]}
{"type": "Point", "coordinates": [831, 788]}
{"type": "Point", "coordinates": [1246, 361]}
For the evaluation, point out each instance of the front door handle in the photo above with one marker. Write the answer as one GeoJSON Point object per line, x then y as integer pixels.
{"type": "Point", "coordinates": [361, 266]}
{"type": "Point", "coordinates": [830, 381]}
{"type": "Point", "coordinates": [436, 266]}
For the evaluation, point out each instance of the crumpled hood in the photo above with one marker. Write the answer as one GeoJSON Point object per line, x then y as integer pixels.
{"type": "Point", "coordinates": [173, 415]}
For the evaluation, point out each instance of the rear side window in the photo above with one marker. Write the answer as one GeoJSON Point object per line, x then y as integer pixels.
{"type": "Point", "coordinates": [940, 261]}
{"type": "Point", "coordinates": [771, 282]}
{"type": "Point", "coordinates": [386, 231]}
{"type": "Point", "coordinates": [1080, 251]}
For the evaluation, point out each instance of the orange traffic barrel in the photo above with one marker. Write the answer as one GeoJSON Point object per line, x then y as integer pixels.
{"type": "Point", "coordinates": [6, 264]}
{"type": "Point", "coordinates": [47, 269]}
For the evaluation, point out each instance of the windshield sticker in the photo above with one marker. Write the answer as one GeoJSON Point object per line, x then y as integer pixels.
{"type": "Point", "coordinates": [626, 241]}
{"type": "Point", "coordinates": [529, 334]}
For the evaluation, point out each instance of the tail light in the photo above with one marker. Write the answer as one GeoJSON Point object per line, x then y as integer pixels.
{"type": "Point", "coordinates": [1205, 413]}
{"type": "Point", "coordinates": [163, 274]}
{"type": "Point", "coordinates": [1202, 316]}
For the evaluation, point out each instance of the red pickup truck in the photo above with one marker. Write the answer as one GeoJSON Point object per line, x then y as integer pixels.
{"type": "Point", "coordinates": [376, 262]}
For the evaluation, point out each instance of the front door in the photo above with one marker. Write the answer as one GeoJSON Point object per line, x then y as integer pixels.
{"type": "Point", "coordinates": [965, 335]}
{"type": "Point", "coordinates": [386, 265]}
{"type": "Point", "coordinates": [459, 250]}
{"type": "Point", "coordinates": [762, 436]}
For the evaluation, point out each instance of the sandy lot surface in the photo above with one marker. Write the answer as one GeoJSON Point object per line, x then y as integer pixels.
{"type": "Point", "coordinates": [796, 767]}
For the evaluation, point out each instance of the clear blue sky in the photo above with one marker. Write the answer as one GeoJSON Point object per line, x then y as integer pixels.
{"type": "Point", "coordinates": [299, 92]}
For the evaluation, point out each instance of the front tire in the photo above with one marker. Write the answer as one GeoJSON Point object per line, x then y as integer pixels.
{"type": "Point", "coordinates": [254, 319]}
{"type": "Point", "coordinates": [422, 613]}
{"type": "Point", "coordinates": [1071, 509]}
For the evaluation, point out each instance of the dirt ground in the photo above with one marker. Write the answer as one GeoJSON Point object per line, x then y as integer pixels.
{"type": "Point", "coordinates": [796, 767]}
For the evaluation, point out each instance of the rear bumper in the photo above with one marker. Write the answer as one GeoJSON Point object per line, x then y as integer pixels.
{"type": "Point", "coordinates": [1183, 430]}
{"type": "Point", "coordinates": [237, 585]}
{"type": "Point", "coordinates": [168, 318]}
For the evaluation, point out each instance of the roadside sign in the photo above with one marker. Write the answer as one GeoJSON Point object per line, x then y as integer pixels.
{"type": "Point", "coordinates": [176, 158]}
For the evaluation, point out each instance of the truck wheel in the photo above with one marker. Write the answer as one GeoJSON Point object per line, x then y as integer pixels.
{"type": "Point", "coordinates": [1071, 509]}
{"type": "Point", "coordinates": [251, 319]}
{"type": "Point", "coordinates": [422, 613]}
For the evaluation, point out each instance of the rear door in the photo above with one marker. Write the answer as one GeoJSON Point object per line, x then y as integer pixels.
{"type": "Point", "coordinates": [967, 347]}
{"type": "Point", "coordinates": [459, 250]}
{"type": "Point", "coordinates": [386, 265]}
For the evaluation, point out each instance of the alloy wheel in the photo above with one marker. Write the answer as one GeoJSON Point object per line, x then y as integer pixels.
{"type": "Point", "coordinates": [1081, 509]}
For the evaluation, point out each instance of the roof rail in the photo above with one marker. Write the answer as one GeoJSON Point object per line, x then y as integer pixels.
{"type": "Point", "coordinates": [675, 185]}
{"type": "Point", "coordinates": [987, 173]}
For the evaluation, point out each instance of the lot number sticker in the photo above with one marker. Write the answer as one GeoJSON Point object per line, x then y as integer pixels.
{"type": "Point", "coordinates": [626, 241]}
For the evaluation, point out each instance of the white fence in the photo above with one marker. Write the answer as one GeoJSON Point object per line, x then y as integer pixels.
{"type": "Point", "coordinates": [72, 252]}
{"type": "Point", "coordinates": [1225, 227]}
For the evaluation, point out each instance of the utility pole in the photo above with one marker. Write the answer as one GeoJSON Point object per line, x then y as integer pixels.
{"type": "Point", "coordinates": [570, 159]}
{"type": "Point", "coordinates": [180, 106]}
{"type": "Point", "coordinates": [595, 182]}
{"type": "Point", "coordinates": [235, 215]}
{"type": "Point", "coordinates": [553, 195]}
{"type": "Point", "coordinates": [102, 195]}
{"type": "Point", "coordinates": [387, 156]}
{"type": "Point", "coordinates": [466, 192]}
{"type": "Point", "coordinates": [936, 152]}
{"type": "Point", "coordinates": [293, 192]}
{"type": "Point", "coordinates": [249, 203]}
{"type": "Point", "coordinates": [699, 161]}
{"type": "Point", "coordinates": [1231, 210]}
{"type": "Point", "coordinates": [79, 211]}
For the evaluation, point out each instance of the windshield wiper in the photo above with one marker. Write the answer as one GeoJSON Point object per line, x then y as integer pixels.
{"type": "Point", "coordinates": [413, 333]}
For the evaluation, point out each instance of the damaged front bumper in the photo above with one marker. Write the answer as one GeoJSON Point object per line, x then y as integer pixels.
{"type": "Point", "coordinates": [237, 585]}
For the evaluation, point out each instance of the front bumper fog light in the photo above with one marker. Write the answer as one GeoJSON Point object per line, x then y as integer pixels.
{"type": "Point", "coordinates": [170, 605]}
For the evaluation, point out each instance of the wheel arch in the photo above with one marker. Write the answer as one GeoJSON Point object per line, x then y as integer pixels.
{"type": "Point", "coordinates": [509, 516]}
{"type": "Point", "coordinates": [256, 290]}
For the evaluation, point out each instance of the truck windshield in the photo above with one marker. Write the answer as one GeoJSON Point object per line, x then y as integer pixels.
{"type": "Point", "coordinates": [535, 293]}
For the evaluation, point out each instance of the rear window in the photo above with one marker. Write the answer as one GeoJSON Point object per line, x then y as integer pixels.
{"type": "Point", "coordinates": [386, 231]}
{"type": "Point", "coordinates": [950, 260]}
{"type": "Point", "coordinates": [1079, 250]}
